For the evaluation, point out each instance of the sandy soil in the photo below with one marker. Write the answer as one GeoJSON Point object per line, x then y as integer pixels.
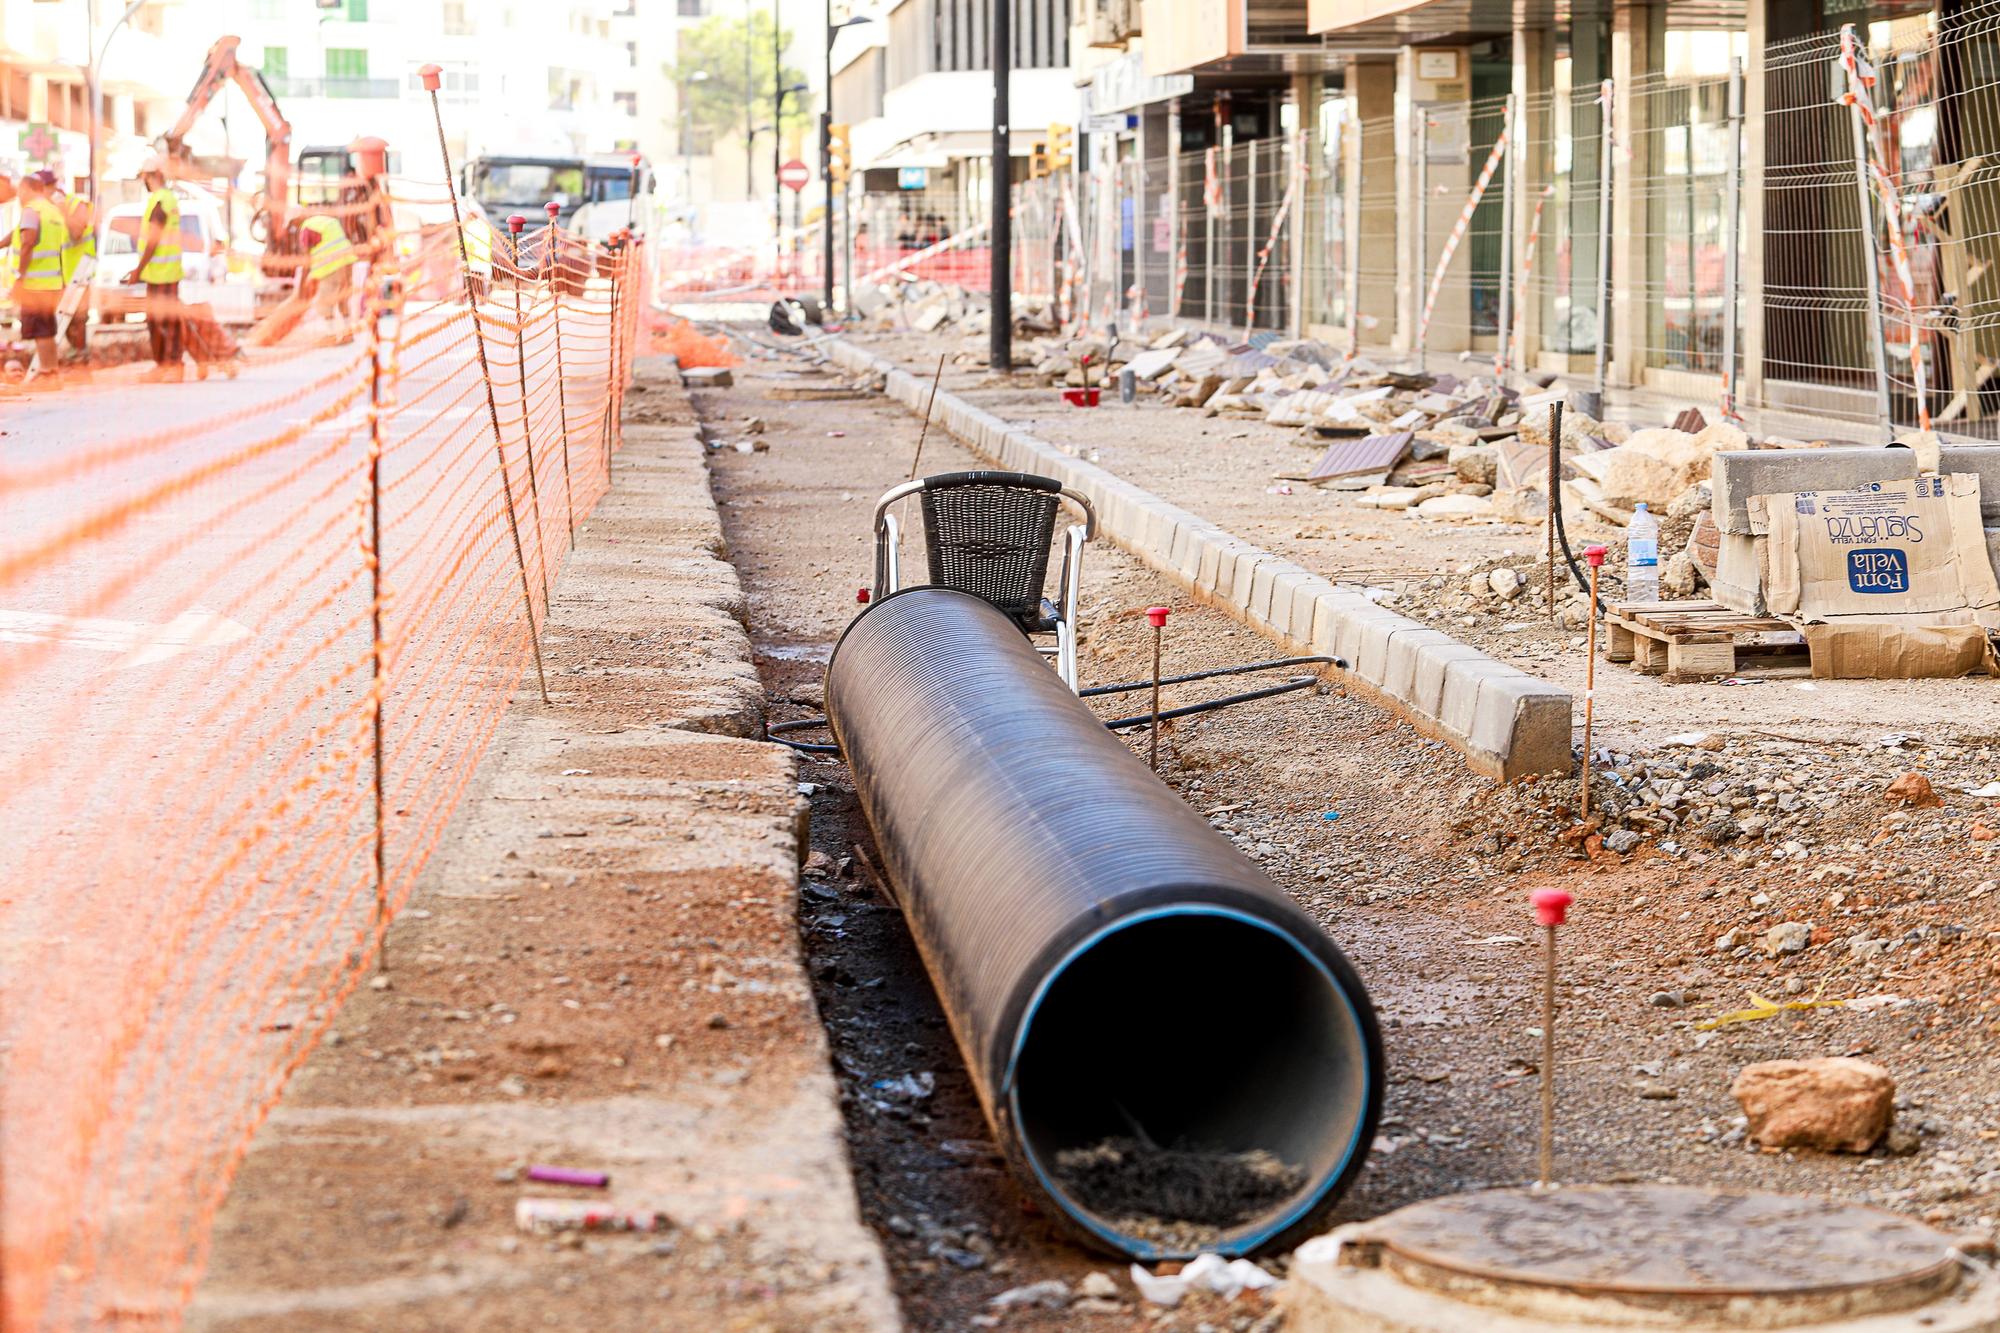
{"type": "Point", "coordinates": [1423, 877]}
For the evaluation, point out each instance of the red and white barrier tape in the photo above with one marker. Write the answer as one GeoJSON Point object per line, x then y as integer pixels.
{"type": "Point", "coordinates": [1510, 352]}
{"type": "Point", "coordinates": [1271, 240]}
{"type": "Point", "coordinates": [1859, 96]}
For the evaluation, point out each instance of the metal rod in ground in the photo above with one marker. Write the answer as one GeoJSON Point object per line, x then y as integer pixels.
{"type": "Point", "coordinates": [1551, 907]}
{"type": "Point", "coordinates": [433, 76]}
{"type": "Point", "coordinates": [925, 429]}
{"type": "Point", "coordinates": [1555, 483]}
{"type": "Point", "coordinates": [514, 226]}
{"type": "Point", "coordinates": [562, 390]}
{"type": "Point", "coordinates": [1595, 555]}
{"type": "Point", "coordinates": [381, 359]}
{"type": "Point", "coordinates": [1156, 616]}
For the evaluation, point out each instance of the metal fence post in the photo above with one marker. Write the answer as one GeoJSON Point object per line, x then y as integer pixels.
{"type": "Point", "coordinates": [1420, 168]}
{"type": "Point", "coordinates": [1510, 123]}
{"type": "Point", "coordinates": [1175, 239]}
{"type": "Point", "coordinates": [1732, 264]}
{"type": "Point", "coordinates": [1865, 199]}
{"type": "Point", "coordinates": [1350, 249]}
{"type": "Point", "coordinates": [1211, 186]}
{"type": "Point", "coordinates": [1603, 237]}
{"type": "Point", "coordinates": [1296, 258]}
{"type": "Point", "coordinates": [1878, 337]}
{"type": "Point", "coordinates": [1250, 246]}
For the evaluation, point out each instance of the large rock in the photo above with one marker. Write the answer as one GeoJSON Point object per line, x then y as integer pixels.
{"type": "Point", "coordinates": [1832, 1104]}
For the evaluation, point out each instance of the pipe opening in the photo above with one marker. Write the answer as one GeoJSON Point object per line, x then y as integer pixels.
{"type": "Point", "coordinates": [1194, 1079]}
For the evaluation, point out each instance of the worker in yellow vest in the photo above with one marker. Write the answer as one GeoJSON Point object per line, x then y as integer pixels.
{"type": "Point", "coordinates": [81, 218]}
{"type": "Point", "coordinates": [329, 277]}
{"type": "Point", "coordinates": [160, 270]}
{"type": "Point", "coordinates": [39, 239]}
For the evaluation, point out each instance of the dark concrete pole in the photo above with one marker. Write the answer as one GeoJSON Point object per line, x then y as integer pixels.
{"type": "Point", "coordinates": [1002, 359]}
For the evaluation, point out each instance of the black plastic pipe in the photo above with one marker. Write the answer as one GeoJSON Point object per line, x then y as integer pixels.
{"type": "Point", "coordinates": [1115, 972]}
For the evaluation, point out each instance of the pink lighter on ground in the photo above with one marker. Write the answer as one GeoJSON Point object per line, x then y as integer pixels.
{"type": "Point", "coordinates": [563, 1175]}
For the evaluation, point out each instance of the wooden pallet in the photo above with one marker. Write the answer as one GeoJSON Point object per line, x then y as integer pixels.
{"type": "Point", "coordinates": [1701, 640]}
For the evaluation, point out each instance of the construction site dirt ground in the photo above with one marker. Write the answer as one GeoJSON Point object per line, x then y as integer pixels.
{"type": "Point", "coordinates": [1418, 868]}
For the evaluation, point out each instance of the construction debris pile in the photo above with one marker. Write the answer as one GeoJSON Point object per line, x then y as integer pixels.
{"type": "Point", "coordinates": [1470, 448]}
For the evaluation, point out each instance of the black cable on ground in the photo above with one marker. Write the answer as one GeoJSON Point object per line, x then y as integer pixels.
{"type": "Point", "coordinates": [1555, 500]}
{"type": "Point", "coordinates": [1273, 665]}
{"type": "Point", "coordinates": [1302, 683]}
{"type": "Point", "coordinates": [776, 733]}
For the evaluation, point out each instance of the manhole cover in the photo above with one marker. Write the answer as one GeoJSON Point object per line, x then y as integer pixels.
{"type": "Point", "coordinates": [1773, 1260]}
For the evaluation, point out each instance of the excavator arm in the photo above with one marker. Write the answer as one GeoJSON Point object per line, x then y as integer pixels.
{"type": "Point", "coordinates": [223, 67]}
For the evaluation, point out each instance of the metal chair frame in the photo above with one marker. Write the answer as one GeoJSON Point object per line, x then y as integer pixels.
{"type": "Point", "coordinates": [1059, 617]}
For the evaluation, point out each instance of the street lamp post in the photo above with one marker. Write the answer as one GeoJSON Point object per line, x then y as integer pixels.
{"type": "Point", "coordinates": [826, 151]}
{"type": "Point", "coordinates": [95, 71]}
{"type": "Point", "coordinates": [687, 144]}
{"type": "Point", "coordinates": [778, 160]}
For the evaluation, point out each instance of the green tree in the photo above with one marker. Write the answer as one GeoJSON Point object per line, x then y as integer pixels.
{"type": "Point", "coordinates": [716, 104]}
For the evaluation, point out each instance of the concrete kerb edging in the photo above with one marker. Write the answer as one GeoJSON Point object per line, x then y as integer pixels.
{"type": "Point", "coordinates": [1507, 723]}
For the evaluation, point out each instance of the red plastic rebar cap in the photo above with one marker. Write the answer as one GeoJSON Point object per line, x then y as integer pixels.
{"type": "Point", "coordinates": [433, 76]}
{"type": "Point", "coordinates": [372, 156]}
{"type": "Point", "coordinates": [861, 596]}
{"type": "Point", "coordinates": [1551, 905]}
{"type": "Point", "coordinates": [1156, 616]}
{"type": "Point", "coordinates": [636, 159]}
{"type": "Point", "coordinates": [1594, 554]}
{"type": "Point", "coordinates": [552, 208]}
{"type": "Point", "coordinates": [515, 222]}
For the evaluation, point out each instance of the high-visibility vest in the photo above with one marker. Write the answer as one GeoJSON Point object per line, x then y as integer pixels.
{"type": "Point", "coordinates": [44, 272]}
{"type": "Point", "coordinates": [331, 250]}
{"type": "Point", "coordinates": [165, 266]}
{"type": "Point", "coordinates": [82, 239]}
{"type": "Point", "coordinates": [479, 246]}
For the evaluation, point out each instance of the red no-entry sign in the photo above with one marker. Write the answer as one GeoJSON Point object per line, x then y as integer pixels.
{"type": "Point", "coordinates": [794, 175]}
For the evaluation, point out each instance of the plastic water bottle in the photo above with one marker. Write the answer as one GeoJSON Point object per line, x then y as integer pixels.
{"type": "Point", "coordinates": [1642, 557]}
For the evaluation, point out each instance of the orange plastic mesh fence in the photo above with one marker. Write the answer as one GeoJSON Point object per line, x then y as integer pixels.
{"type": "Point", "coordinates": [190, 678]}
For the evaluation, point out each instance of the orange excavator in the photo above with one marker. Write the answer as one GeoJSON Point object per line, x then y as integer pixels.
{"type": "Point", "coordinates": [273, 207]}
{"type": "Point", "coordinates": [341, 187]}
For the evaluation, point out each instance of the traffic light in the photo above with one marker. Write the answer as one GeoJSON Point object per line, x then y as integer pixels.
{"type": "Point", "coordinates": [1038, 161]}
{"type": "Point", "coordinates": [838, 155]}
{"type": "Point", "coordinates": [1062, 145]}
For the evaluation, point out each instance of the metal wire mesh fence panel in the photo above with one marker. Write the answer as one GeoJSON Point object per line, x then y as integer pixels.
{"type": "Point", "coordinates": [1562, 157]}
{"type": "Point", "coordinates": [1817, 318]}
{"type": "Point", "coordinates": [1680, 143]}
{"type": "Point", "coordinates": [256, 645]}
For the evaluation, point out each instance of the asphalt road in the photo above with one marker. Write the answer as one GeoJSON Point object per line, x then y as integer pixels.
{"type": "Point", "coordinates": [186, 668]}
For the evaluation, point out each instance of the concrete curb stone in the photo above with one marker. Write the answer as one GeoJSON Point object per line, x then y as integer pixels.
{"type": "Point", "coordinates": [1507, 723]}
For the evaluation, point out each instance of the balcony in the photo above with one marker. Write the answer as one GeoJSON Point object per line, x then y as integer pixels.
{"type": "Point", "coordinates": [285, 86]}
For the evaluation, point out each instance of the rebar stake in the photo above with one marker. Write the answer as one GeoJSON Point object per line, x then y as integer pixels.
{"type": "Point", "coordinates": [515, 223]}
{"type": "Point", "coordinates": [1595, 555]}
{"type": "Point", "coordinates": [1551, 907]}
{"type": "Point", "coordinates": [562, 392]}
{"type": "Point", "coordinates": [1156, 616]}
{"type": "Point", "coordinates": [433, 77]}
